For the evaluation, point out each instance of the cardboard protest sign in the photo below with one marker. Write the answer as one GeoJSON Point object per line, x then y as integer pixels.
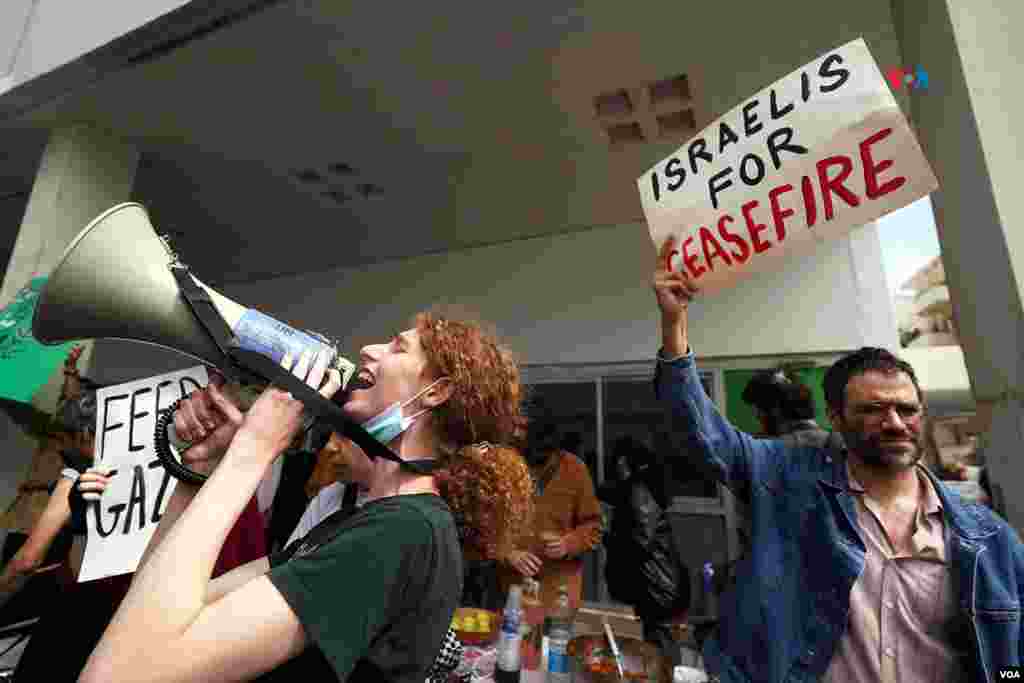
{"type": "Point", "coordinates": [820, 152]}
{"type": "Point", "coordinates": [124, 519]}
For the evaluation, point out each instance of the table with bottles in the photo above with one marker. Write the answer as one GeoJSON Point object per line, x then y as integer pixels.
{"type": "Point", "coordinates": [529, 643]}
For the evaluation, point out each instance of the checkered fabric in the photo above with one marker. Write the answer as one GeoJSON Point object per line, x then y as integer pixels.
{"type": "Point", "coordinates": [447, 659]}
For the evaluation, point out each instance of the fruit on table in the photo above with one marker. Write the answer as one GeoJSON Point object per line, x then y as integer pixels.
{"type": "Point", "coordinates": [472, 621]}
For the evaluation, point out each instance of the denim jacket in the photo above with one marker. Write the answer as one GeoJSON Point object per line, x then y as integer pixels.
{"type": "Point", "coordinates": [785, 615]}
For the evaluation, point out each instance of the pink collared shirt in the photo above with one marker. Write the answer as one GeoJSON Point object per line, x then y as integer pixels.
{"type": "Point", "coordinates": [903, 605]}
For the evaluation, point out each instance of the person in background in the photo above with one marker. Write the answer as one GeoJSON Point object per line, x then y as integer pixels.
{"type": "Point", "coordinates": [862, 565]}
{"type": "Point", "coordinates": [785, 409]}
{"type": "Point", "coordinates": [637, 508]}
{"type": "Point", "coordinates": [644, 568]}
{"type": "Point", "coordinates": [333, 464]}
{"type": "Point", "coordinates": [31, 517]}
{"type": "Point", "coordinates": [330, 486]}
{"type": "Point", "coordinates": [567, 514]}
{"type": "Point", "coordinates": [64, 452]}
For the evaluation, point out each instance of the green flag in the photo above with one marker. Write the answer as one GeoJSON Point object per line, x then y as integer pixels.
{"type": "Point", "coordinates": [25, 365]}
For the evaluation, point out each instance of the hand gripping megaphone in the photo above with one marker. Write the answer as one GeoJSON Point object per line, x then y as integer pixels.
{"type": "Point", "coordinates": [118, 279]}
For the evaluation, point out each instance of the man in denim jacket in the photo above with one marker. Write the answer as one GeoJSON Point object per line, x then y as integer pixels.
{"type": "Point", "coordinates": [862, 566]}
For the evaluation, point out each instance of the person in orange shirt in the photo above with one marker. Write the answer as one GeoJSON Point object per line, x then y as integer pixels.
{"type": "Point", "coordinates": [567, 514]}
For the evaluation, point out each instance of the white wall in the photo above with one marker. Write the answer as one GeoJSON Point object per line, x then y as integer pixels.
{"type": "Point", "coordinates": [574, 299]}
{"type": "Point", "coordinates": [14, 17]}
{"type": "Point", "coordinates": [991, 51]}
{"type": "Point", "coordinates": [59, 31]}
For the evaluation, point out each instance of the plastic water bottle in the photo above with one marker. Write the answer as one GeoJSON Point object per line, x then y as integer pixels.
{"type": "Point", "coordinates": [559, 635]}
{"type": "Point", "coordinates": [710, 597]}
{"type": "Point", "coordinates": [507, 669]}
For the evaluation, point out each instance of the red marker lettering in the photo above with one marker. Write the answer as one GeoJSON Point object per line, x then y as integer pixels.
{"type": "Point", "coordinates": [754, 229]}
{"type": "Point", "coordinates": [873, 169]}
{"type": "Point", "coordinates": [835, 185]}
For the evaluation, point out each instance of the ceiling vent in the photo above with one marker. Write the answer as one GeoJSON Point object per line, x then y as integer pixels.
{"type": "Point", "coordinates": [624, 133]}
{"type": "Point", "coordinates": [680, 122]}
{"type": "Point", "coordinates": [671, 91]}
{"type": "Point", "coordinates": [662, 110]}
{"type": "Point", "coordinates": [338, 183]}
{"type": "Point", "coordinates": [338, 196]}
{"type": "Point", "coordinates": [341, 168]}
{"type": "Point", "coordinates": [309, 175]}
{"type": "Point", "coordinates": [613, 104]}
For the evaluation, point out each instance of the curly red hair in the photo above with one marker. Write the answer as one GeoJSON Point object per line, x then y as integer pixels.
{"type": "Point", "coordinates": [485, 403]}
{"type": "Point", "coordinates": [490, 493]}
{"type": "Point", "coordinates": [486, 484]}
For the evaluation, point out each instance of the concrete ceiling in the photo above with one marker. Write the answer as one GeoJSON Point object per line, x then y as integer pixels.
{"type": "Point", "coordinates": [475, 121]}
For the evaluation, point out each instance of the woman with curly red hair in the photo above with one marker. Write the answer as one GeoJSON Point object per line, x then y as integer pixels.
{"type": "Point", "coordinates": [366, 595]}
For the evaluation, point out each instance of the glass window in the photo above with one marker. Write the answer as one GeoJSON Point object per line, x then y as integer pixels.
{"type": "Point", "coordinates": [600, 410]}
{"type": "Point", "coordinates": [632, 412]}
{"type": "Point", "coordinates": [574, 405]}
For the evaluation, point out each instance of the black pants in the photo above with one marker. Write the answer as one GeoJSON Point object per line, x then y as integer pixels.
{"type": "Point", "coordinates": [69, 631]}
{"type": "Point", "coordinates": [39, 592]}
{"type": "Point", "coordinates": [480, 587]}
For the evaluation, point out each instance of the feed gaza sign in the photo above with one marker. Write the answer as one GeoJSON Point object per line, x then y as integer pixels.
{"type": "Point", "coordinates": [820, 152]}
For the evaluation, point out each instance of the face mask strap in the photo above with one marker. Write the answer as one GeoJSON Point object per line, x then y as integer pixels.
{"type": "Point", "coordinates": [408, 420]}
{"type": "Point", "coordinates": [420, 393]}
{"type": "Point", "coordinates": [424, 466]}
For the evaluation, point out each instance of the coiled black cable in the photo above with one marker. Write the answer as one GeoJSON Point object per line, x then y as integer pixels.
{"type": "Point", "coordinates": [162, 447]}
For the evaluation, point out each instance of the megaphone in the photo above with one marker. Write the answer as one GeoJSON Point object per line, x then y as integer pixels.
{"type": "Point", "coordinates": [118, 279]}
{"type": "Point", "coordinates": [113, 282]}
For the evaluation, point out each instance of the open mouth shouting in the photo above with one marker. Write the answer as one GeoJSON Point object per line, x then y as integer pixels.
{"type": "Point", "coordinates": [364, 379]}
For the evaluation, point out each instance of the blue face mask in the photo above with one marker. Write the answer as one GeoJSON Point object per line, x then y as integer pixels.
{"type": "Point", "coordinates": [390, 424]}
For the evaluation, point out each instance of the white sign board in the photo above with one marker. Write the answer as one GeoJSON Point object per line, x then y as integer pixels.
{"type": "Point", "coordinates": [820, 152]}
{"type": "Point", "coordinates": [124, 519]}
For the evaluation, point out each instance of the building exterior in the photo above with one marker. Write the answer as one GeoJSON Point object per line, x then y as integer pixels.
{"type": "Point", "coordinates": [924, 309]}
{"type": "Point", "coordinates": [332, 165]}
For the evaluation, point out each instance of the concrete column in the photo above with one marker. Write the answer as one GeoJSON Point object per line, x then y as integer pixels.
{"type": "Point", "coordinates": [82, 172]}
{"type": "Point", "coordinates": [967, 120]}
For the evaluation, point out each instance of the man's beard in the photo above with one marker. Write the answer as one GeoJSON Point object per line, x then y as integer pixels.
{"type": "Point", "coordinates": [872, 452]}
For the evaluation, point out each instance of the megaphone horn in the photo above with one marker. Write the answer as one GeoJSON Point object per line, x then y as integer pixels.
{"type": "Point", "coordinates": [113, 282]}
{"type": "Point", "coordinates": [118, 279]}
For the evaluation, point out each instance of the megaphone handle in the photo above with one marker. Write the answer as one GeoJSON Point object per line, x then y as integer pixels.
{"type": "Point", "coordinates": [162, 438]}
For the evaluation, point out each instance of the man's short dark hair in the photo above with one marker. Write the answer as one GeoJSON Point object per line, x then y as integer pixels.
{"type": "Point", "coordinates": [764, 391]}
{"type": "Point", "coordinates": [866, 359]}
{"type": "Point", "coordinates": [543, 433]}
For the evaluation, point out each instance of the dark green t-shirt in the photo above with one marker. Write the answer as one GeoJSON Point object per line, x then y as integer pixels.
{"type": "Point", "coordinates": [375, 593]}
